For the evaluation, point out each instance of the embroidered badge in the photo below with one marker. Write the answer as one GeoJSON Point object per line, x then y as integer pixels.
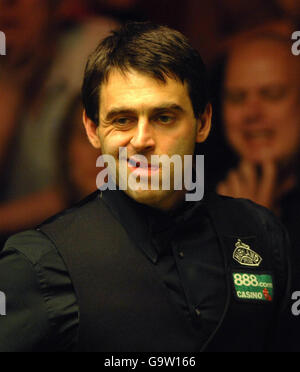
{"type": "Point", "coordinates": [245, 256]}
{"type": "Point", "coordinates": [253, 287]}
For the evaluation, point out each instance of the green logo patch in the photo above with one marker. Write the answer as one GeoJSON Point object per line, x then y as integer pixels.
{"type": "Point", "coordinates": [253, 287]}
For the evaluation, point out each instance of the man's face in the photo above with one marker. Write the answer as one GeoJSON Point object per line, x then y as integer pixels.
{"type": "Point", "coordinates": [262, 102]}
{"type": "Point", "coordinates": [148, 117]}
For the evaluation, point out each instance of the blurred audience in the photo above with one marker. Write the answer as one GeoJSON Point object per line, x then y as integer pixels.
{"type": "Point", "coordinates": [33, 166]}
{"type": "Point", "coordinates": [39, 77]}
{"type": "Point", "coordinates": [29, 37]}
{"type": "Point", "coordinates": [214, 25]}
{"type": "Point", "coordinates": [76, 157]}
{"type": "Point", "coordinates": [76, 174]}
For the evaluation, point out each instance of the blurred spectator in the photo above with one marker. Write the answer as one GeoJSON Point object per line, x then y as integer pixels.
{"type": "Point", "coordinates": [29, 37]}
{"type": "Point", "coordinates": [39, 77]}
{"type": "Point", "coordinates": [261, 114]}
{"type": "Point", "coordinates": [33, 167]}
{"type": "Point", "coordinates": [76, 157]}
{"type": "Point", "coordinates": [76, 177]}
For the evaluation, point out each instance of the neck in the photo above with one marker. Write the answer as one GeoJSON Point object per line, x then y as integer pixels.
{"type": "Point", "coordinates": [170, 204]}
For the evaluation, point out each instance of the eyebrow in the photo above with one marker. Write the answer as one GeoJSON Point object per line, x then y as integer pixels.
{"type": "Point", "coordinates": [127, 111]}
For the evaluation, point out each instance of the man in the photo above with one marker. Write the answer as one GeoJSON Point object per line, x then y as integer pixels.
{"type": "Point", "coordinates": [141, 269]}
{"type": "Point", "coordinates": [261, 114]}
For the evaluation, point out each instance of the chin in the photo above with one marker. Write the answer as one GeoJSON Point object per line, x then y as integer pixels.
{"type": "Point", "coordinates": [151, 198]}
{"type": "Point", "coordinates": [255, 159]}
{"type": "Point", "coordinates": [259, 156]}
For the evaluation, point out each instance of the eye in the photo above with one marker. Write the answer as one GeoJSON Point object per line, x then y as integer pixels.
{"type": "Point", "coordinates": [235, 97]}
{"type": "Point", "coordinates": [165, 119]}
{"type": "Point", "coordinates": [274, 93]}
{"type": "Point", "coordinates": [122, 121]}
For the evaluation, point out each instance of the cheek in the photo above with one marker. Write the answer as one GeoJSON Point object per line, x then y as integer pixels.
{"type": "Point", "coordinates": [232, 122]}
{"type": "Point", "coordinates": [286, 121]}
{"type": "Point", "coordinates": [111, 141]}
{"type": "Point", "coordinates": [232, 119]}
{"type": "Point", "coordinates": [288, 135]}
{"type": "Point", "coordinates": [181, 143]}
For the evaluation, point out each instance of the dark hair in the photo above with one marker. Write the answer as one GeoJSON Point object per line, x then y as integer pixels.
{"type": "Point", "coordinates": [150, 49]}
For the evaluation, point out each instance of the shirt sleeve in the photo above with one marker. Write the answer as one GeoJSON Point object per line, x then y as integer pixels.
{"type": "Point", "coordinates": [41, 311]}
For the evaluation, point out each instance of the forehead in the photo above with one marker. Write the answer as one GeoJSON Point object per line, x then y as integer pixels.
{"type": "Point", "coordinates": [136, 90]}
{"type": "Point", "coordinates": [262, 62]}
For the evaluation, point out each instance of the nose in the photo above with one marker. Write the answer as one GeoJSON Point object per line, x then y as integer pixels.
{"type": "Point", "coordinates": [143, 138]}
{"type": "Point", "coordinates": [253, 110]}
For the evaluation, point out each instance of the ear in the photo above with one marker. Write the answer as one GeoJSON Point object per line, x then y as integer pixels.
{"type": "Point", "coordinates": [204, 124]}
{"type": "Point", "coordinates": [91, 130]}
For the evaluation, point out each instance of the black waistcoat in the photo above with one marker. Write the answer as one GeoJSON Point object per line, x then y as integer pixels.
{"type": "Point", "coordinates": [123, 305]}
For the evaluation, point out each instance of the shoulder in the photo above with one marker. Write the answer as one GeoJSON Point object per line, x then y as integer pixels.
{"type": "Point", "coordinates": [31, 246]}
{"type": "Point", "coordinates": [79, 210]}
{"type": "Point", "coordinates": [31, 254]}
{"type": "Point", "coordinates": [244, 211]}
{"type": "Point", "coordinates": [40, 295]}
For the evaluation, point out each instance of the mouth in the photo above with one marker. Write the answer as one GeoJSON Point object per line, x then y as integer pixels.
{"type": "Point", "coordinates": [142, 168]}
{"type": "Point", "coordinates": [259, 136]}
